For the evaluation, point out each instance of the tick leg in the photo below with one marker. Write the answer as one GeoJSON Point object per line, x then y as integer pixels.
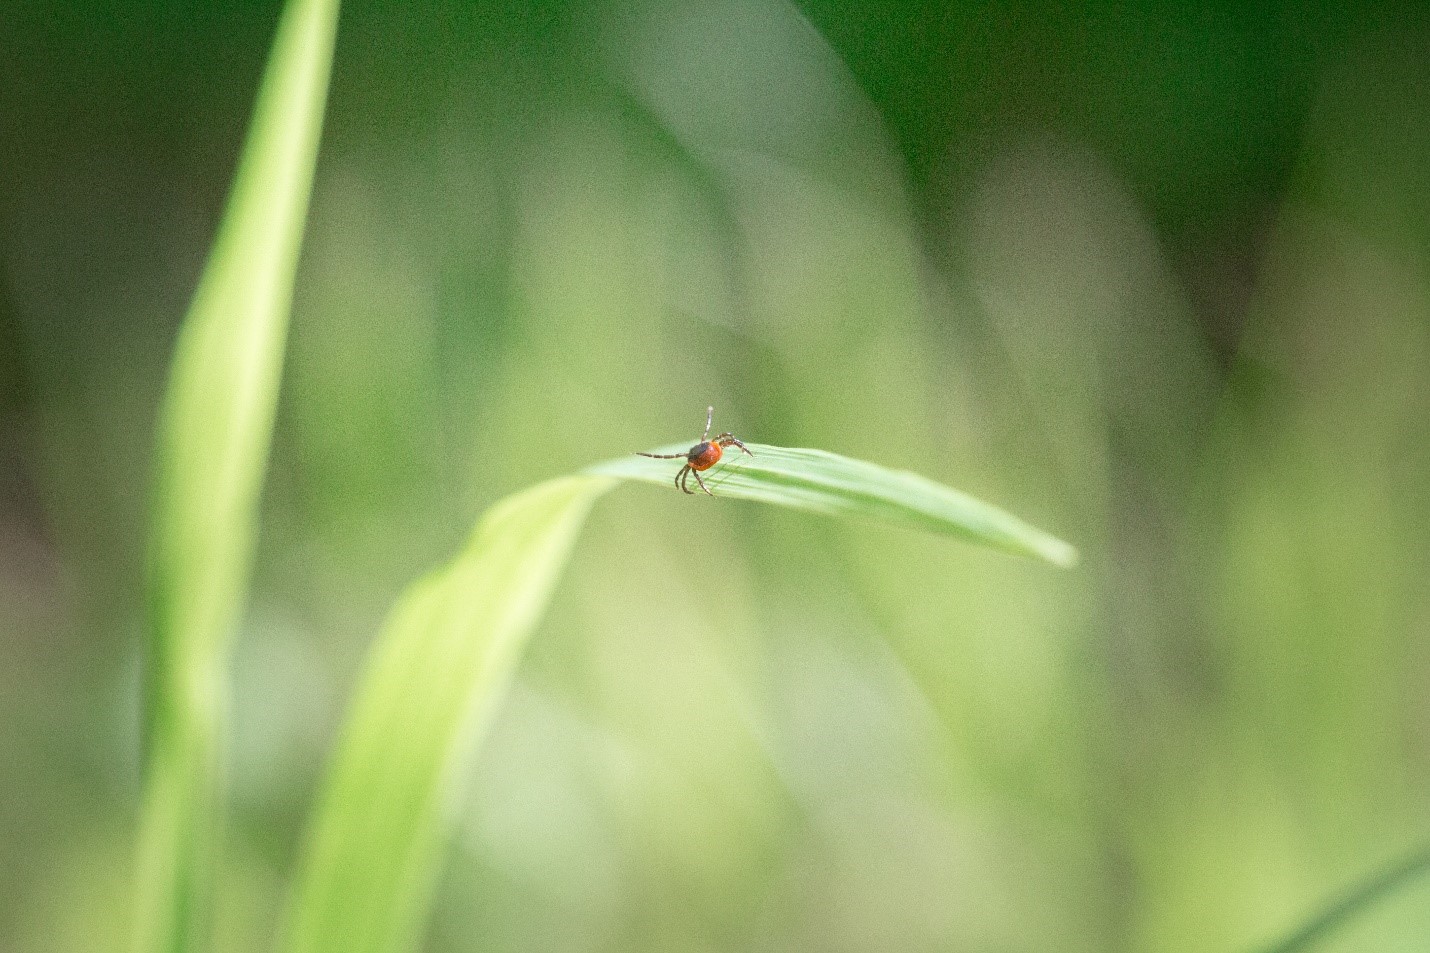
{"type": "Point", "coordinates": [682, 479]}
{"type": "Point", "coordinates": [661, 456]}
{"type": "Point", "coordinates": [702, 483]}
{"type": "Point", "coordinates": [709, 416]}
{"type": "Point", "coordinates": [725, 439]}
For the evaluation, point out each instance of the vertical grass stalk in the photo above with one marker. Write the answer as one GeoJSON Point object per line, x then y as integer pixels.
{"type": "Point", "coordinates": [211, 453]}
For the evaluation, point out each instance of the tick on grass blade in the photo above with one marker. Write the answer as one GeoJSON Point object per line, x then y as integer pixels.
{"type": "Point", "coordinates": [702, 456]}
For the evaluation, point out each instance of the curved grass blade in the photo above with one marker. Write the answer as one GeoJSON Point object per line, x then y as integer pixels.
{"type": "Point", "coordinates": [447, 653]}
{"type": "Point", "coordinates": [840, 486]}
{"type": "Point", "coordinates": [438, 669]}
{"type": "Point", "coordinates": [211, 452]}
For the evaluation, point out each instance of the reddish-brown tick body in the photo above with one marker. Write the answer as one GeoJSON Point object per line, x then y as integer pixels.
{"type": "Point", "coordinates": [702, 456]}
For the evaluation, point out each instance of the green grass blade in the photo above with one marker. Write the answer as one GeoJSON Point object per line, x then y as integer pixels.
{"type": "Point", "coordinates": [211, 453]}
{"type": "Point", "coordinates": [448, 650]}
{"type": "Point", "coordinates": [438, 669]}
{"type": "Point", "coordinates": [839, 486]}
{"type": "Point", "coordinates": [1357, 901]}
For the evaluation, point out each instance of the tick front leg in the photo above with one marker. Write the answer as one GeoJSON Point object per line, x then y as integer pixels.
{"type": "Point", "coordinates": [702, 483]}
{"type": "Point", "coordinates": [726, 439]}
{"type": "Point", "coordinates": [709, 416]}
{"type": "Point", "coordinates": [682, 479]}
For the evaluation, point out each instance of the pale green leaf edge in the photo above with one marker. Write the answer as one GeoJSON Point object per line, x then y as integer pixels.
{"type": "Point", "coordinates": [450, 647]}
{"type": "Point", "coordinates": [211, 453]}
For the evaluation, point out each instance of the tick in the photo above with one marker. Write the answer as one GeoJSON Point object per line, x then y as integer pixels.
{"type": "Point", "coordinates": [702, 456]}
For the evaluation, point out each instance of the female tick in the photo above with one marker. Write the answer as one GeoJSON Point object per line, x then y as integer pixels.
{"type": "Point", "coordinates": [702, 456]}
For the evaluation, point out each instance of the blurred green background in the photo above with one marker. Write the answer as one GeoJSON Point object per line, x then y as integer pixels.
{"type": "Point", "coordinates": [1157, 280]}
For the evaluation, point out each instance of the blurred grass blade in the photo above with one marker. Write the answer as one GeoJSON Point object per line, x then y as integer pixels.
{"type": "Point", "coordinates": [438, 669]}
{"type": "Point", "coordinates": [448, 650]}
{"type": "Point", "coordinates": [1358, 901]}
{"type": "Point", "coordinates": [211, 452]}
{"type": "Point", "coordinates": [839, 486]}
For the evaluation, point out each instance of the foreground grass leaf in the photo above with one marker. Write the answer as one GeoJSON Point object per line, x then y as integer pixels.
{"type": "Point", "coordinates": [447, 653]}
{"type": "Point", "coordinates": [211, 453]}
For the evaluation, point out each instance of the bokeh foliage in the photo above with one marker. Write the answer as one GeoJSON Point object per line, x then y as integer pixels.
{"type": "Point", "coordinates": [1155, 280]}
